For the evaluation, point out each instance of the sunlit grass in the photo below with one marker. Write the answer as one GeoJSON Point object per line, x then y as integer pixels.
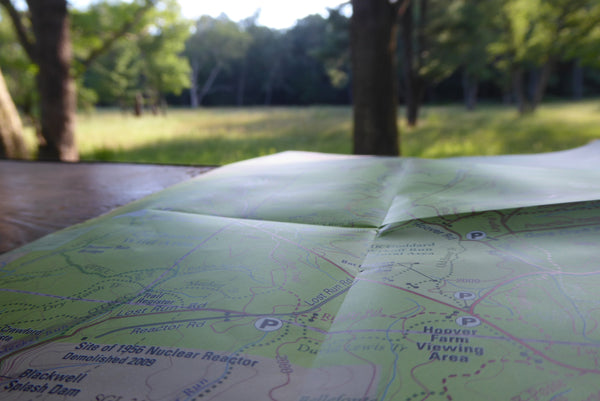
{"type": "Point", "coordinates": [491, 130]}
{"type": "Point", "coordinates": [216, 136]}
{"type": "Point", "coordinates": [213, 136]}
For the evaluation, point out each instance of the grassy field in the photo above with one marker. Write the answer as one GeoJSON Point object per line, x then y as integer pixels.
{"type": "Point", "coordinates": [218, 136]}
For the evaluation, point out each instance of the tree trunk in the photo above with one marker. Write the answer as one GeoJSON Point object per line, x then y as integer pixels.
{"type": "Point", "coordinates": [541, 84]}
{"type": "Point", "coordinates": [577, 80]}
{"type": "Point", "coordinates": [138, 106]}
{"type": "Point", "coordinates": [214, 73]}
{"type": "Point", "coordinates": [374, 87]}
{"type": "Point", "coordinates": [12, 145]}
{"type": "Point", "coordinates": [413, 84]}
{"type": "Point", "coordinates": [241, 89]}
{"type": "Point", "coordinates": [194, 84]}
{"type": "Point", "coordinates": [470, 88]}
{"type": "Point", "coordinates": [273, 71]}
{"type": "Point", "coordinates": [52, 54]}
{"type": "Point", "coordinates": [519, 90]}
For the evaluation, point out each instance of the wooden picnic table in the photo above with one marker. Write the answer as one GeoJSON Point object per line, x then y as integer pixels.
{"type": "Point", "coordinates": [38, 198]}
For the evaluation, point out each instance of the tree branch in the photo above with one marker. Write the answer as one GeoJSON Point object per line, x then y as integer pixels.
{"type": "Point", "coordinates": [399, 8]}
{"type": "Point", "coordinates": [20, 28]}
{"type": "Point", "coordinates": [116, 35]}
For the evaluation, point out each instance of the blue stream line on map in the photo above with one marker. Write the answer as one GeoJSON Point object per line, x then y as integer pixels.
{"type": "Point", "coordinates": [574, 305]}
{"type": "Point", "coordinates": [316, 266]}
{"type": "Point", "coordinates": [488, 302]}
{"type": "Point", "coordinates": [396, 356]}
{"type": "Point", "coordinates": [227, 364]}
{"type": "Point", "coordinates": [561, 393]}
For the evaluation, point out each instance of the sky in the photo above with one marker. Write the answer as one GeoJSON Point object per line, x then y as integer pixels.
{"type": "Point", "coordinates": [278, 14]}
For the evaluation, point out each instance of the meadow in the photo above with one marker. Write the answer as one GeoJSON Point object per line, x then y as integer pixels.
{"type": "Point", "coordinates": [216, 136]}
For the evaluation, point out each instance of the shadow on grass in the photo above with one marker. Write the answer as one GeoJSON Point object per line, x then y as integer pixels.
{"type": "Point", "coordinates": [221, 136]}
{"type": "Point", "coordinates": [218, 150]}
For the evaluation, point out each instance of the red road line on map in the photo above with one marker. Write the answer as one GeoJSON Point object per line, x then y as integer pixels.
{"type": "Point", "coordinates": [373, 366]}
{"type": "Point", "coordinates": [412, 374]}
{"type": "Point", "coordinates": [412, 292]}
{"type": "Point", "coordinates": [299, 246]}
{"type": "Point", "coordinates": [509, 335]}
{"type": "Point", "coordinates": [278, 387]}
{"type": "Point", "coordinates": [550, 273]}
{"type": "Point", "coordinates": [557, 227]}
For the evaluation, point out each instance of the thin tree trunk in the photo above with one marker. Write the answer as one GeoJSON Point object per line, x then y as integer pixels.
{"type": "Point", "coordinates": [542, 84]}
{"type": "Point", "coordinates": [268, 93]}
{"type": "Point", "coordinates": [270, 82]}
{"type": "Point", "coordinates": [138, 106]}
{"type": "Point", "coordinates": [413, 84]}
{"type": "Point", "coordinates": [214, 73]}
{"type": "Point", "coordinates": [12, 145]}
{"type": "Point", "coordinates": [374, 87]}
{"type": "Point", "coordinates": [241, 89]}
{"type": "Point", "coordinates": [56, 86]}
{"type": "Point", "coordinates": [470, 89]}
{"type": "Point", "coordinates": [194, 103]}
{"type": "Point", "coordinates": [519, 91]}
{"type": "Point", "coordinates": [577, 80]}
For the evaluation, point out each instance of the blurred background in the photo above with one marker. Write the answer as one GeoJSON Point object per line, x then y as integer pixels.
{"type": "Point", "coordinates": [209, 83]}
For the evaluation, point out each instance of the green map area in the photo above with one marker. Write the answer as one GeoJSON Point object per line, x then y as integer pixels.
{"type": "Point", "coordinates": [313, 277]}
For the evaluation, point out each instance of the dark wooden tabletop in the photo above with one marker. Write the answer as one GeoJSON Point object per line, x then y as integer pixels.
{"type": "Point", "coordinates": [37, 198]}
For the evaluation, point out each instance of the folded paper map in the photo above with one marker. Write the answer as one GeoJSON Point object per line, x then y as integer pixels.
{"type": "Point", "coordinates": [315, 277]}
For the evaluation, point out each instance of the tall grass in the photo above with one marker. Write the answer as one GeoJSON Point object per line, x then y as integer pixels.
{"type": "Point", "coordinates": [216, 136]}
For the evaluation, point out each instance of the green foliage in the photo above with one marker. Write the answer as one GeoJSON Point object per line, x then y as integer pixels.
{"type": "Point", "coordinates": [216, 41]}
{"type": "Point", "coordinates": [115, 75]}
{"type": "Point", "coordinates": [147, 59]}
{"type": "Point", "coordinates": [243, 63]}
{"type": "Point", "coordinates": [436, 55]}
{"type": "Point", "coordinates": [93, 27]}
{"type": "Point", "coordinates": [161, 45]}
{"type": "Point", "coordinates": [530, 32]}
{"type": "Point", "coordinates": [466, 35]}
{"type": "Point", "coordinates": [335, 49]}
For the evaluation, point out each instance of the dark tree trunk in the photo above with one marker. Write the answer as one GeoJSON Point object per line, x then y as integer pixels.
{"type": "Point", "coordinates": [577, 80]}
{"type": "Point", "coordinates": [241, 88]}
{"type": "Point", "coordinates": [52, 54]}
{"type": "Point", "coordinates": [138, 105]}
{"type": "Point", "coordinates": [373, 45]}
{"type": "Point", "coordinates": [12, 145]}
{"type": "Point", "coordinates": [519, 90]}
{"type": "Point", "coordinates": [540, 84]}
{"type": "Point", "coordinates": [273, 75]}
{"type": "Point", "coordinates": [413, 83]}
{"type": "Point", "coordinates": [470, 88]}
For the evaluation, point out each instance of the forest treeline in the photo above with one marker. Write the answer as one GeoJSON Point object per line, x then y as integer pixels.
{"type": "Point", "coordinates": [144, 54]}
{"type": "Point", "coordinates": [510, 50]}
